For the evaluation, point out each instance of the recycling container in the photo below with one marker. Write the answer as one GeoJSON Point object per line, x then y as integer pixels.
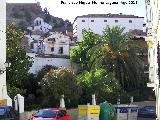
{"type": "Point", "coordinates": [88, 112]}
{"type": "Point", "coordinates": [122, 112]}
{"type": "Point", "coordinates": [132, 112]}
{"type": "Point", "coordinates": [107, 111]}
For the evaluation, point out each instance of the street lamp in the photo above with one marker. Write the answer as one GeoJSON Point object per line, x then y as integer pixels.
{"type": "Point", "coordinates": [3, 68]}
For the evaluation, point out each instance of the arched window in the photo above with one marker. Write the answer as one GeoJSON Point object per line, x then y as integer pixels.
{"type": "Point", "coordinates": [37, 22]}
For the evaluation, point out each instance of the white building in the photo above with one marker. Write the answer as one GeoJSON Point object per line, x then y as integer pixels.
{"type": "Point", "coordinates": [57, 44]}
{"type": "Point", "coordinates": [55, 51]}
{"type": "Point", "coordinates": [39, 24]}
{"type": "Point", "coordinates": [4, 98]}
{"type": "Point", "coordinates": [97, 23]}
{"type": "Point", "coordinates": [153, 40]}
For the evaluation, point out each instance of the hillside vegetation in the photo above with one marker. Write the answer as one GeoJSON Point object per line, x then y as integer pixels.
{"type": "Point", "coordinates": [23, 14]}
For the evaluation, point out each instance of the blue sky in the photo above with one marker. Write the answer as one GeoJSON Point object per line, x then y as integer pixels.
{"type": "Point", "coordinates": [70, 11]}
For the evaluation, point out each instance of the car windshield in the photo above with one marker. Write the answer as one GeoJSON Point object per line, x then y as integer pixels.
{"type": "Point", "coordinates": [45, 114]}
{"type": "Point", "coordinates": [2, 111]}
{"type": "Point", "coordinates": [150, 108]}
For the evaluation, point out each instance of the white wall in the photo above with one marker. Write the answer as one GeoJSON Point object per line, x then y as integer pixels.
{"type": "Point", "coordinates": [39, 63]}
{"type": "Point", "coordinates": [2, 49]}
{"type": "Point", "coordinates": [98, 25]}
{"type": "Point", "coordinates": [3, 87]}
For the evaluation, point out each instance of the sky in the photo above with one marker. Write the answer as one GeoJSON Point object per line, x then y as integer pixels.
{"type": "Point", "coordinates": [71, 11]}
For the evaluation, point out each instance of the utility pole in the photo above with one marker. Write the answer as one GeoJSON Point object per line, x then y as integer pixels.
{"type": "Point", "coordinates": [153, 40]}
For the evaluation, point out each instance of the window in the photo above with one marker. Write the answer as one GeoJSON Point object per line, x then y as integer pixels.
{"type": "Point", "coordinates": [105, 20]}
{"type": "Point", "coordinates": [144, 25]}
{"type": "Point", "coordinates": [45, 114]}
{"type": "Point", "coordinates": [37, 22]}
{"type": "Point", "coordinates": [130, 21]}
{"type": "Point", "coordinates": [92, 20]}
{"type": "Point", "coordinates": [62, 42]}
{"type": "Point", "coordinates": [116, 21]}
{"type": "Point", "coordinates": [41, 27]}
{"type": "Point", "coordinates": [64, 112]}
{"type": "Point", "coordinates": [52, 49]}
{"type": "Point", "coordinates": [60, 50]}
{"type": "Point", "coordinates": [60, 114]}
{"type": "Point", "coordinates": [2, 111]}
{"type": "Point", "coordinates": [32, 46]}
{"type": "Point", "coordinates": [83, 20]}
{"type": "Point", "coordinates": [52, 39]}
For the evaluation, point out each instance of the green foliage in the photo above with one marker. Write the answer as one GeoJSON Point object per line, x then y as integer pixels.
{"type": "Point", "coordinates": [79, 54]}
{"type": "Point", "coordinates": [22, 25]}
{"type": "Point", "coordinates": [13, 90]}
{"type": "Point", "coordinates": [16, 13]}
{"type": "Point", "coordinates": [115, 51]}
{"type": "Point", "coordinates": [100, 82]}
{"type": "Point", "coordinates": [67, 23]}
{"type": "Point", "coordinates": [118, 54]}
{"type": "Point", "coordinates": [58, 22]}
{"type": "Point", "coordinates": [16, 55]}
{"type": "Point", "coordinates": [28, 16]}
{"type": "Point", "coordinates": [47, 15]}
{"type": "Point", "coordinates": [59, 82]}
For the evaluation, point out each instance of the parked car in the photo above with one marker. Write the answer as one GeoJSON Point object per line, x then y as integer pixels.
{"type": "Point", "coordinates": [51, 114]}
{"type": "Point", "coordinates": [147, 111]}
{"type": "Point", "coordinates": [8, 113]}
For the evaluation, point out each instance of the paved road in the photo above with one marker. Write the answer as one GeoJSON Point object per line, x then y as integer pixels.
{"type": "Point", "coordinates": [146, 119]}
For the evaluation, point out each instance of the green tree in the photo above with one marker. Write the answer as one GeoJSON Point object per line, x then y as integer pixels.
{"type": "Point", "coordinates": [79, 53]}
{"type": "Point", "coordinates": [59, 82]}
{"type": "Point", "coordinates": [118, 52]}
{"type": "Point", "coordinates": [67, 23]}
{"type": "Point", "coordinates": [20, 62]}
{"type": "Point", "coordinates": [28, 16]}
{"type": "Point", "coordinates": [100, 82]}
{"type": "Point", "coordinates": [16, 13]}
{"type": "Point", "coordinates": [47, 15]}
{"type": "Point", "coordinates": [22, 25]}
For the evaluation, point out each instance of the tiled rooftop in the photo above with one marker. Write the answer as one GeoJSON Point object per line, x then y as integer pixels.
{"type": "Point", "coordinates": [109, 15]}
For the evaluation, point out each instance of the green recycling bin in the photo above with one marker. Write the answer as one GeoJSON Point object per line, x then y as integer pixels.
{"type": "Point", "coordinates": [107, 112]}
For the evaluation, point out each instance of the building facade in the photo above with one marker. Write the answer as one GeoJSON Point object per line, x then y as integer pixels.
{"type": "Point", "coordinates": [57, 44]}
{"type": "Point", "coordinates": [153, 39]}
{"type": "Point", "coordinates": [4, 98]}
{"type": "Point", "coordinates": [97, 23]}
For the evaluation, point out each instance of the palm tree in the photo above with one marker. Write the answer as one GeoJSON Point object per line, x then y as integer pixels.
{"type": "Point", "coordinates": [117, 51]}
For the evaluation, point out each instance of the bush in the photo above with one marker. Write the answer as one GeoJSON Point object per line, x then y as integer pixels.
{"type": "Point", "coordinates": [59, 82]}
